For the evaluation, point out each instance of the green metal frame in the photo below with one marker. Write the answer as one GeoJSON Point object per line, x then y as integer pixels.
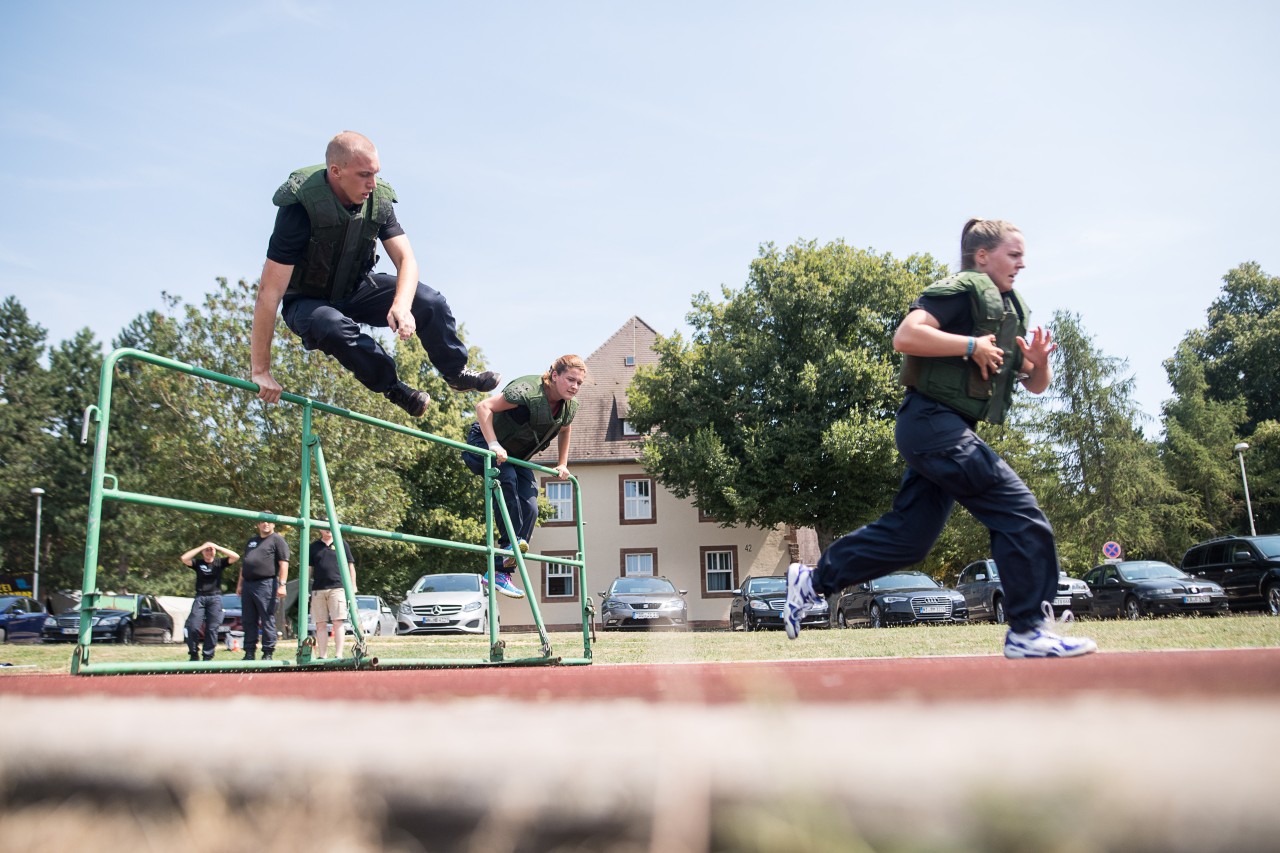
{"type": "Point", "coordinates": [312, 453]}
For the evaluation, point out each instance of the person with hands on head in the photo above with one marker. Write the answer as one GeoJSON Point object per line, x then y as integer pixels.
{"type": "Point", "coordinates": [206, 607]}
{"type": "Point", "coordinates": [965, 344]}
{"type": "Point", "coordinates": [319, 271]}
{"type": "Point", "coordinates": [519, 423]}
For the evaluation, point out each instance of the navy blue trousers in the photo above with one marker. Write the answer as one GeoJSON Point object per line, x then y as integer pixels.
{"type": "Point", "coordinates": [519, 490]}
{"type": "Point", "coordinates": [258, 613]}
{"type": "Point", "coordinates": [206, 613]}
{"type": "Point", "coordinates": [334, 329]}
{"type": "Point", "coordinates": [947, 464]}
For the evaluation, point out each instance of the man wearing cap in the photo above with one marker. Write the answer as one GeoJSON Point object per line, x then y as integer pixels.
{"type": "Point", "coordinates": [320, 264]}
{"type": "Point", "coordinates": [206, 609]}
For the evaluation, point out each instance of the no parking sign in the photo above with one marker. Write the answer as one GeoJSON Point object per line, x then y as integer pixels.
{"type": "Point", "coordinates": [1112, 551]}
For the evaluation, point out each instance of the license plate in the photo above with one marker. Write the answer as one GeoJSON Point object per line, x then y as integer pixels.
{"type": "Point", "coordinates": [1062, 601]}
{"type": "Point", "coordinates": [1195, 599]}
{"type": "Point", "coordinates": [644, 615]}
{"type": "Point", "coordinates": [71, 630]}
{"type": "Point", "coordinates": [934, 608]}
{"type": "Point", "coordinates": [434, 620]}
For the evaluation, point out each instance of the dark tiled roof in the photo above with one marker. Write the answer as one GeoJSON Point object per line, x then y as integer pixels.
{"type": "Point", "coordinates": [602, 402]}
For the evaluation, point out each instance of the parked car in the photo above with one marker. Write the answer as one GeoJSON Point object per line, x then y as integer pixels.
{"type": "Point", "coordinates": [376, 616]}
{"type": "Point", "coordinates": [758, 604]}
{"type": "Point", "coordinates": [21, 618]}
{"type": "Point", "coordinates": [447, 602]}
{"type": "Point", "coordinates": [983, 593]}
{"type": "Point", "coordinates": [899, 598]}
{"type": "Point", "coordinates": [119, 618]}
{"type": "Point", "coordinates": [646, 602]}
{"type": "Point", "coordinates": [232, 610]}
{"type": "Point", "coordinates": [1137, 588]}
{"type": "Point", "coordinates": [1246, 567]}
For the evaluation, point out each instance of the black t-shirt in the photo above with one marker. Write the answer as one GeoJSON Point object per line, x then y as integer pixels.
{"type": "Point", "coordinates": [263, 556]}
{"type": "Point", "coordinates": [209, 574]}
{"type": "Point", "coordinates": [955, 313]}
{"type": "Point", "coordinates": [288, 244]}
{"type": "Point", "coordinates": [325, 573]}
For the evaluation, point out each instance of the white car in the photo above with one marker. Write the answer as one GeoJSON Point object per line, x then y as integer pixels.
{"type": "Point", "coordinates": [450, 602]}
{"type": "Point", "coordinates": [376, 616]}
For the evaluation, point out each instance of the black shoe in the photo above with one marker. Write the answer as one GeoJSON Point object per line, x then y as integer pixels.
{"type": "Point", "coordinates": [266, 655]}
{"type": "Point", "coordinates": [469, 380]}
{"type": "Point", "coordinates": [411, 400]}
{"type": "Point", "coordinates": [193, 656]}
{"type": "Point", "coordinates": [210, 657]}
{"type": "Point", "coordinates": [247, 656]}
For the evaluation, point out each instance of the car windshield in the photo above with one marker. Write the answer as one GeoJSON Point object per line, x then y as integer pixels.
{"type": "Point", "coordinates": [911, 580]}
{"type": "Point", "coordinates": [231, 601]}
{"type": "Point", "coordinates": [1148, 571]}
{"type": "Point", "coordinates": [641, 586]}
{"type": "Point", "coordinates": [447, 583]}
{"type": "Point", "coordinates": [367, 602]}
{"type": "Point", "coordinates": [763, 585]}
{"type": "Point", "coordinates": [1268, 545]}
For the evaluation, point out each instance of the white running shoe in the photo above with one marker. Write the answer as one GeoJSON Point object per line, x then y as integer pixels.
{"type": "Point", "coordinates": [800, 598]}
{"type": "Point", "coordinates": [1042, 642]}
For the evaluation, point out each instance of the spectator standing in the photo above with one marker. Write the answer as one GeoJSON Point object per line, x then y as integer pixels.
{"type": "Point", "coordinates": [206, 608]}
{"type": "Point", "coordinates": [264, 571]}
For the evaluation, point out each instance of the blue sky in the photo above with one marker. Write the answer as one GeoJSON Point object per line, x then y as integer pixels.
{"type": "Point", "coordinates": [562, 166]}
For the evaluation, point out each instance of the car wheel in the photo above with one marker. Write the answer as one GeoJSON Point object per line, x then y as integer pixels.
{"type": "Point", "coordinates": [126, 635]}
{"type": "Point", "coordinates": [166, 637]}
{"type": "Point", "coordinates": [997, 610]}
{"type": "Point", "coordinates": [1132, 608]}
{"type": "Point", "coordinates": [1272, 599]}
{"type": "Point", "coordinates": [877, 618]}
{"type": "Point", "coordinates": [841, 619]}
{"type": "Point", "coordinates": [377, 629]}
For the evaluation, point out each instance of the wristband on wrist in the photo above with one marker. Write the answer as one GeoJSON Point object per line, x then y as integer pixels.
{"type": "Point", "coordinates": [969, 351]}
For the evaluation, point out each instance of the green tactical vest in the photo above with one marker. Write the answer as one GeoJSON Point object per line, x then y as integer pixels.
{"type": "Point", "coordinates": [957, 381]}
{"type": "Point", "coordinates": [343, 245]}
{"type": "Point", "coordinates": [526, 440]}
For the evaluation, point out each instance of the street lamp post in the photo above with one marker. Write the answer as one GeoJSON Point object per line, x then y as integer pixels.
{"type": "Point", "coordinates": [35, 576]}
{"type": "Point", "coordinates": [1240, 449]}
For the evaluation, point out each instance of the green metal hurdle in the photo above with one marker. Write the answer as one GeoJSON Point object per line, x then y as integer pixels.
{"type": "Point", "coordinates": [312, 453]}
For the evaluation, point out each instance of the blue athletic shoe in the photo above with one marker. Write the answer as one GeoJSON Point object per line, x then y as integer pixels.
{"type": "Point", "coordinates": [1042, 642]}
{"type": "Point", "coordinates": [503, 582]}
{"type": "Point", "coordinates": [800, 598]}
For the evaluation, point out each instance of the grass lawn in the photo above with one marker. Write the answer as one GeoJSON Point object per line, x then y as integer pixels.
{"type": "Point", "coordinates": [1229, 632]}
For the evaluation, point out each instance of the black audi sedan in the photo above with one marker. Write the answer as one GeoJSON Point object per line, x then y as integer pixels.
{"type": "Point", "coordinates": [900, 598]}
{"type": "Point", "coordinates": [757, 604]}
{"type": "Point", "coordinates": [643, 602]}
{"type": "Point", "coordinates": [1137, 588]}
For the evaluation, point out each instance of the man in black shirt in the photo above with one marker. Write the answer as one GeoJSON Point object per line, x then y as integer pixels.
{"type": "Point", "coordinates": [328, 598]}
{"type": "Point", "coordinates": [319, 264]}
{"type": "Point", "coordinates": [206, 609]}
{"type": "Point", "coordinates": [264, 571]}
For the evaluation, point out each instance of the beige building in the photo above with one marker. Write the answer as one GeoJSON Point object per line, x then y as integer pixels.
{"type": "Point", "coordinates": [632, 525]}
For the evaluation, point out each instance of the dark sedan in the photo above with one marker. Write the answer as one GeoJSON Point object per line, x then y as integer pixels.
{"type": "Point", "coordinates": [1137, 588]}
{"type": "Point", "coordinates": [119, 618]}
{"type": "Point", "coordinates": [983, 593]}
{"type": "Point", "coordinates": [900, 598]}
{"type": "Point", "coordinates": [758, 604]}
{"type": "Point", "coordinates": [643, 603]}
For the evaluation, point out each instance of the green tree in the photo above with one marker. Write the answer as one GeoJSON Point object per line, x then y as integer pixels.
{"type": "Point", "coordinates": [1240, 346]}
{"type": "Point", "coordinates": [780, 409]}
{"type": "Point", "coordinates": [25, 414]}
{"type": "Point", "coordinates": [1113, 483]}
{"type": "Point", "coordinates": [1199, 434]}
